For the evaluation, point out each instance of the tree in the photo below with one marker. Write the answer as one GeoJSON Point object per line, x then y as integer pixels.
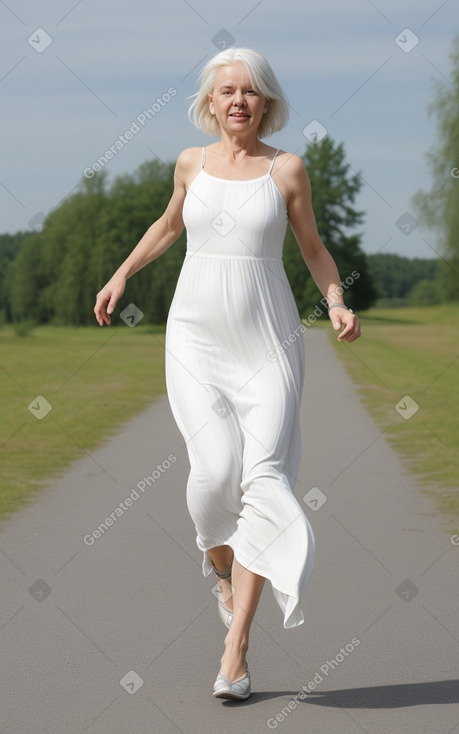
{"type": "Point", "coordinates": [334, 190]}
{"type": "Point", "coordinates": [439, 208]}
{"type": "Point", "coordinates": [26, 281]}
{"type": "Point", "coordinates": [56, 273]}
{"type": "Point", "coordinates": [9, 247]}
{"type": "Point", "coordinates": [136, 201]}
{"type": "Point", "coordinates": [425, 293]}
{"type": "Point", "coordinates": [395, 276]}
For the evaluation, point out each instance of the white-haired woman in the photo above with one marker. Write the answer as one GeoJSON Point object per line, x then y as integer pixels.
{"type": "Point", "coordinates": [234, 356]}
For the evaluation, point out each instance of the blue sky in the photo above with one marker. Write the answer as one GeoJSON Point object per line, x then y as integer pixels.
{"type": "Point", "coordinates": [77, 84]}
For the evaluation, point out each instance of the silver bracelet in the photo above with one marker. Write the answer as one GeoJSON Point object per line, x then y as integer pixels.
{"type": "Point", "coordinates": [339, 305]}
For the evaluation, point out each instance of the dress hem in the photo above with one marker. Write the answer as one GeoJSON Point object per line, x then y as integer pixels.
{"type": "Point", "coordinates": [293, 615]}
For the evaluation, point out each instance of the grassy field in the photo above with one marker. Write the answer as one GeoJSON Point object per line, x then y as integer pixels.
{"type": "Point", "coordinates": [96, 378]}
{"type": "Point", "coordinates": [415, 353]}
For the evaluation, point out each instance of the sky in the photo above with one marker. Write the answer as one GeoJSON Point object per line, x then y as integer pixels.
{"type": "Point", "coordinates": [75, 76]}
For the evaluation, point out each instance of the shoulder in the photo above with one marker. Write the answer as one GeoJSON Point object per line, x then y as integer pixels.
{"type": "Point", "coordinates": [289, 172]}
{"type": "Point", "coordinates": [188, 164]}
{"type": "Point", "coordinates": [290, 164]}
{"type": "Point", "coordinates": [189, 156]}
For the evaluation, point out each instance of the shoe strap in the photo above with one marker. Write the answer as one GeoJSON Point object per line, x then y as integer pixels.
{"type": "Point", "coordinates": [238, 680]}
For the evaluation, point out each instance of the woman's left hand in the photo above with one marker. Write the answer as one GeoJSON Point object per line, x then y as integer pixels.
{"type": "Point", "coordinates": [347, 321]}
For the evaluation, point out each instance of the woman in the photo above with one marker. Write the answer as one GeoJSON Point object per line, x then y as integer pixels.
{"type": "Point", "coordinates": [234, 391]}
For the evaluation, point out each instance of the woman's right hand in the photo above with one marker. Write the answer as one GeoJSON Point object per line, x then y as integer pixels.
{"type": "Point", "coordinates": [108, 297]}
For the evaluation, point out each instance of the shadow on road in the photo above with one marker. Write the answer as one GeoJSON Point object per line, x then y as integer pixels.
{"type": "Point", "coordinates": [374, 697]}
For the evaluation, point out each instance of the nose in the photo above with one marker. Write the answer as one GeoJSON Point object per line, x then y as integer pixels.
{"type": "Point", "coordinates": [239, 98]}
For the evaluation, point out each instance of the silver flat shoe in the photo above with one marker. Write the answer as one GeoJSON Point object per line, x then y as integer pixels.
{"type": "Point", "coordinates": [234, 690]}
{"type": "Point", "coordinates": [226, 614]}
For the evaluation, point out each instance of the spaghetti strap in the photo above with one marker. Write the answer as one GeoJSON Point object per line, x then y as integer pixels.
{"type": "Point", "coordinates": [203, 157]}
{"type": "Point", "coordinates": [272, 162]}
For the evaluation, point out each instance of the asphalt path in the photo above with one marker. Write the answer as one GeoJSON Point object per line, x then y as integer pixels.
{"type": "Point", "coordinates": [118, 631]}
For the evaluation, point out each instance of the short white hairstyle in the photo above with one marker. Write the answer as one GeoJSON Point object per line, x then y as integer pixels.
{"type": "Point", "coordinates": [262, 78]}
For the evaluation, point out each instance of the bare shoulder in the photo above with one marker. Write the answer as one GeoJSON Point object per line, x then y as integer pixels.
{"type": "Point", "coordinates": [188, 164]}
{"type": "Point", "coordinates": [290, 165]}
{"type": "Point", "coordinates": [188, 156]}
{"type": "Point", "coordinates": [291, 176]}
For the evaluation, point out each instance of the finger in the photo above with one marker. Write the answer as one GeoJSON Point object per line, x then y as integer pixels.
{"type": "Point", "coordinates": [111, 304]}
{"type": "Point", "coordinates": [351, 337]}
{"type": "Point", "coordinates": [349, 329]}
{"type": "Point", "coordinates": [351, 333]}
{"type": "Point", "coordinates": [342, 324]}
{"type": "Point", "coordinates": [102, 319]}
{"type": "Point", "coordinates": [100, 310]}
{"type": "Point", "coordinates": [105, 317]}
{"type": "Point", "coordinates": [344, 334]}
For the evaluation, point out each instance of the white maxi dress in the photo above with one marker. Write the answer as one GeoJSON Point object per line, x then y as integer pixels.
{"type": "Point", "coordinates": [234, 367]}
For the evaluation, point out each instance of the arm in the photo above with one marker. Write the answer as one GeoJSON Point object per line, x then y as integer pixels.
{"type": "Point", "coordinates": [156, 240]}
{"type": "Point", "coordinates": [316, 256]}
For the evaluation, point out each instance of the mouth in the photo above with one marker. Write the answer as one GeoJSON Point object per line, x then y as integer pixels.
{"type": "Point", "coordinates": [240, 116]}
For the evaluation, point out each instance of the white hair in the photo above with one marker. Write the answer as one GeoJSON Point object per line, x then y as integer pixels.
{"type": "Point", "coordinates": [261, 76]}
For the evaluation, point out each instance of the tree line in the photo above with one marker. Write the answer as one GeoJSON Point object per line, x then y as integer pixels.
{"type": "Point", "coordinates": [405, 281]}
{"type": "Point", "coordinates": [438, 209]}
{"type": "Point", "coordinates": [52, 276]}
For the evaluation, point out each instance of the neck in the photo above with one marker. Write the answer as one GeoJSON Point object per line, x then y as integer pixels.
{"type": "Point", "coordinates": [238, 147]}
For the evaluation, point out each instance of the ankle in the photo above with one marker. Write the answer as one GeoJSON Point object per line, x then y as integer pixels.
{"type": "Point", "coordinates": [226, 589]}
{"type": "Point", "coordinates": [237, 646]}
{"type": "Point", "coordinates": [223, 573]}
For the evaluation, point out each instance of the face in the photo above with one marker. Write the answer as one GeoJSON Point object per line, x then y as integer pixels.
{"type": "Point", "coordinates": [237, 105]}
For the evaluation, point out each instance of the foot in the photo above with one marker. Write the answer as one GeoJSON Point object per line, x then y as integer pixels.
{"type": "Point", "coordinates": [226, 592]}
{"type": "Point", "coordinates": [236, 690]}
{"type": "Point", "coordinates": [233, 661]}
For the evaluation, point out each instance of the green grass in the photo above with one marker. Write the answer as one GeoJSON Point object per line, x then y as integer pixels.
{"type": "Point", "coordinates": [414, 352]}
{"type": "Point", "coordinates": [94, 378]}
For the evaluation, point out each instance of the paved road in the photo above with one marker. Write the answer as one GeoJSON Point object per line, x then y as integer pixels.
{"type": "Point", "coordinates": [120, 633]}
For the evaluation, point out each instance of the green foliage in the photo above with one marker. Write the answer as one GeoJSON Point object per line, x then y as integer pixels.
{"type": "Point", "coordinates": [426, 293]}
{"type": "Point", "coordinates": [57, 273]}
{"type": "Point", "coordinates": [395, 277]}
{"type": "Point", "coordinates": [9, 248]}
{"type": "Point", "coordinates": [53, 276]}
{"type": "Point", "coordinates": [334, 190]}
{"type": "Point", "coordinates": [25, 327]}
{"type": "Point", "coordinates": [438, 209]}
